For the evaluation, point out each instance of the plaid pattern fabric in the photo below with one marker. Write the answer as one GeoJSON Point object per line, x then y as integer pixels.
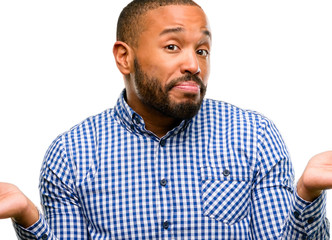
{"type": "Point", "coordinates": [225, 174]}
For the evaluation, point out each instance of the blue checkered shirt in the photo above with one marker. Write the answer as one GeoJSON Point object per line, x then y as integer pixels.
{"type": "Point", "coordinates": [225, 174]}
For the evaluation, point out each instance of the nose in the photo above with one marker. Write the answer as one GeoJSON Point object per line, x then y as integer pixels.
{"type": "Point", "coordinates": [190, 63]}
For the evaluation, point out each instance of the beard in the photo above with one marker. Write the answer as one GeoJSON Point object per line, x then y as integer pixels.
{"type": "Point", "coordinates": [153, 94]}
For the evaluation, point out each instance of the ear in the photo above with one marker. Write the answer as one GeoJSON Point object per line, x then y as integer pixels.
{"type": "Point", "coordinates": [123, 55]}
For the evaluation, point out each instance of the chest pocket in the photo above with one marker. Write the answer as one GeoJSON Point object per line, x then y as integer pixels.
{"type": "Point", "coordinates": [225, 193]}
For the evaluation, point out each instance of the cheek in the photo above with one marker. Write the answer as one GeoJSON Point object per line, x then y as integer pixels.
{"type": "Point", "coordinates": [206, 76]}
{"type": "Point", "coordinates": [151, 66]}
{"type": "Point", "coordinates": [163, 73]}
{"type": "Point", "coordinates": [205, 72]}
{"type": "Point", "coordinates": [154, 71]}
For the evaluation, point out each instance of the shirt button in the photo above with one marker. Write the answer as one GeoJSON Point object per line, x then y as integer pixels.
{"type": "Point", "coordinates": [226, 172]}
{"type": "Point", "coordinates": [297, 215]}
{"type": "Point", "coordinates": [136, 120]}
{"type": "Point", "coordinates": [44, 236]}
{"type": "Point", "coordinates": [165, 225]}
{"type": "Point", "coordinates": [162, 142]}
{"type": "Point", "coordinates": [311, 220]}
{"type": "Point", "coordinates": [163, 182]}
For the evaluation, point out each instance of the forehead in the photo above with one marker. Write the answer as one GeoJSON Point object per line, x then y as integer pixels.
{"type": "Point", "coordinates": [191, 18]}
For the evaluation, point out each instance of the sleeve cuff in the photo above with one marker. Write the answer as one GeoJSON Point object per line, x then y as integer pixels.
{"type": "Point", "coordinates": [309, 216]}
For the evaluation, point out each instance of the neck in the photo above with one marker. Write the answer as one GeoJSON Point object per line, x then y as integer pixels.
{"type": "Point", "coordinates": [155, 121]}
{"type": "Point", "coordinates": [158, 123]}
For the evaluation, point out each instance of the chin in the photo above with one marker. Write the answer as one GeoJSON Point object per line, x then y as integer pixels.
{"type": "Point", "coordinates": [188, 99]}
{"type": "Point", "coordinates": [183, 110]}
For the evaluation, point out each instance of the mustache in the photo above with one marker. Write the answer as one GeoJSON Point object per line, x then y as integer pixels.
{"type": "Point", "coordinates": [186, 78]}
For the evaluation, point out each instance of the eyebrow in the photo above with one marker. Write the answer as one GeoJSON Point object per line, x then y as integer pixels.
{"type": "Point", "coordinates": [180, 29]}
{"type": "Point", "coordinates": [207, 33]}
{"type": "Point", "coordinates": [171, 30]}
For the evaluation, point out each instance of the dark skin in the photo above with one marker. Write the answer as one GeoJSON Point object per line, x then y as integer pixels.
{"type": "Point", "coordinates": [175, 41]}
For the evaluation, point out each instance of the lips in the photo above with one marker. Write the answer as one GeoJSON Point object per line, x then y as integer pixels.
{"type": "Point", "coordinates": [188, 86]}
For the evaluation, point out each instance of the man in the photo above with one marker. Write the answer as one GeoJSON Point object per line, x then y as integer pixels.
{"type": "Point", "coordinates": [164, 163]}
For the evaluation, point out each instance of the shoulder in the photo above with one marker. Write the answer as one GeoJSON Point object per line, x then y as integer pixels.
{"type": "Point", "coordinates": [90, 126]}
{"type": "Point", "coordinates": [83, 135]}
{"type": "Point", "coordinates": [224, 111]}
{"type": "Point", "coordinates": [74, 152]}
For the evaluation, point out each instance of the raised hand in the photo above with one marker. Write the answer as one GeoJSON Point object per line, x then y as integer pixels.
{"type": "Point", "coordinates": [14, 204]}
{"type": "Point", "coordinates": [316, 177]}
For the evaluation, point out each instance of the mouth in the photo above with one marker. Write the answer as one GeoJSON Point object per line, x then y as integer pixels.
{"type": "Point", "coordinates": [188, 87]}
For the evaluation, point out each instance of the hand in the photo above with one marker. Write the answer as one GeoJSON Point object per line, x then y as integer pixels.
{"type": "Point", "coordinates": [14, 204]}
{"type": "Point", "coordinates": [316, 177]}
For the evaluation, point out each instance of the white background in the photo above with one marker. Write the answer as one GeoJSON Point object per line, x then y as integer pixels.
{"type": "Point", "coordinates": [57, 68]}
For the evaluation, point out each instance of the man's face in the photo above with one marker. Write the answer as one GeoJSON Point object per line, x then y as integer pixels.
{"type": "Point", "coordinates": [171, 64]}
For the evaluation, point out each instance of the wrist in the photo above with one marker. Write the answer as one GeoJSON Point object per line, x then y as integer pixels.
{"type": "Point", "coordinates": [306, 193]}
{"type": "Point", "coordinates": [28, 216]}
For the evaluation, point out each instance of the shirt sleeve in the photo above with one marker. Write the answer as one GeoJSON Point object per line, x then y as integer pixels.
{"type": "Point", "coordinates": [277, 211]}
{"type": "Point", "coordinates": [63, 217]}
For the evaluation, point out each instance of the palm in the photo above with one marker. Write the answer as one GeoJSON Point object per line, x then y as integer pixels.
{"type": "Point", "coordinates": [318, 173]}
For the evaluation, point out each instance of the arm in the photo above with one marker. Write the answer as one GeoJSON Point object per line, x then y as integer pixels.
{"type": "Point", "coordinates": [63, 217]}
{"type": "Point", "coordinates": [277, 210]}
{"type": "Point", "coordinates": [15, 205]}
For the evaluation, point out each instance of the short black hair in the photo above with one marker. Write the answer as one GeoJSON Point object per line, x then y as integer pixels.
{"type": "Point", "coordinates": [129, 22]}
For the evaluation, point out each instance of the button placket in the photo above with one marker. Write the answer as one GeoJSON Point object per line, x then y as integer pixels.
{"type": "Point", "coordinates": [163, 182]}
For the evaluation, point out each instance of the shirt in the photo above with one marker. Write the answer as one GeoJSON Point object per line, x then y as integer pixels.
{"type": "Point", "coordinates": [224, 174]}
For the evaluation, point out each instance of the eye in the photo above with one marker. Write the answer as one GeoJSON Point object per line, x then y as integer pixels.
{"type": "Point", "coordinates": [203, 52]}
{"type": "Point", "coordinates": [172, 47]}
